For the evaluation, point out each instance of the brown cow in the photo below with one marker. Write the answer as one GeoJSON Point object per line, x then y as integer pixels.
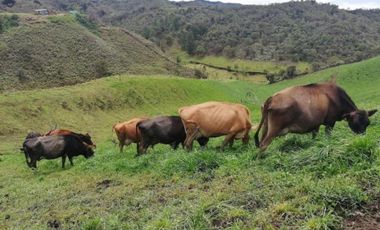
{"type": "Point", "coordinates": [64, 132]}
{"type": "Point", "coordinates": [303, 109]}
{"type": "Point", "coordinates": [214, 119]}
{"type": "Point", "coordinates": [127, 133]}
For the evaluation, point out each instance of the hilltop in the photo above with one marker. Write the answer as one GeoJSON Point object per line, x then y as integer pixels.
{"type": "Point", "coordinates": [40, 52]}
{"type": "Point", "coordinates": [308, 31]}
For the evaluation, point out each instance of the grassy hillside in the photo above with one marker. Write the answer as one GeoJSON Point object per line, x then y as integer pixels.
{"type": "Point", "coordinates": [296, 30]}
{"type": "Point", "coordinates": [95, 106]}
{"type": "Point", "coordinates": [64, 50]}
{"type": "Point", "coordinates": [300, 183]}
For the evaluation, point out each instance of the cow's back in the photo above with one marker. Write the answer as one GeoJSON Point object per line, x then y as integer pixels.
{"type": "Point", "coordinates": [130, 129]}
{"type": "Point", "coordinates": [307, 105]}
{"type": "Point", "coordinates": [163, 129]}
{"type": "Point", "coordinates": [49, 147]}
{"type": "Point", "coordinates": [216, 118]}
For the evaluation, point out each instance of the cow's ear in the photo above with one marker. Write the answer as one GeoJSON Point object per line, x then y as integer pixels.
{"type": "Point", "coordinates": [371, 112]}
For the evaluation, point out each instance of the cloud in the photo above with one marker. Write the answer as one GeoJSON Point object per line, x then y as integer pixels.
{"type": "Point", "coordinates": [343, 4]}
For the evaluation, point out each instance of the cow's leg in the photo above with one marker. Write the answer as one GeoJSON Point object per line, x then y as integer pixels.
{"type": "Point", "coordinates": [63, 161]}
{"type": "Point", "coordinates": [175, 145]}
{"type": "Point", "coordinates": [273, 131]}
{"type": "Point", "coordinates": [27, 158]}
{"type": "Point", "coordinates": [142, 148]}
{"type": "Point", "coordinates": [265, 130]}
{"type": "Point", "coordinates": [33, 163]}
{"type": "Point", "coordinates": [315, 132]}
{"type": "Point", "coordinates": [329, 128]}
{"type": "Point", "coordinates": [137, 147]}
{"type": "Point", "coordinates": [121, 145]}
{"type": "Point", "coordinates": [231, 143]}
{"type": "Point", "coordinates": [202, 141]}
{"type": "Point", "coordinates": [245, 139]}
{"type": "Point", "coordinates": [227, 140]}
{"type": "Point", "coordinates": [71, 161]}
{"type": "Point", "coordinates": [191, 136]}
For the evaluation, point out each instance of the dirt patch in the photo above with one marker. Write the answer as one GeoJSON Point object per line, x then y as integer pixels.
{"type": "Point", "coordinates": [366, 219]}
{"type": "Point", "coordinates": [104, 184]}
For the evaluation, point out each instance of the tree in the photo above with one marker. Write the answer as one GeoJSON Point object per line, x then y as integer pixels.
{"type": "Point", "coordinates": [9, 3]}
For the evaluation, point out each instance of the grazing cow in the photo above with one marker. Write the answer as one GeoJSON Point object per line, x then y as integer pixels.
{"type": "Point", "coordinates": [214, 119]}
{"type": "Point", "coordinates": [126, 132]}
{"type": "Point", "coordinates": [165, 130]}
{"type": "Point", "coordinates": [84, 137]}
{"type": "Point", "coordinates": [303, 109]}
{"type": "Point", "coordinates": [52, 147]}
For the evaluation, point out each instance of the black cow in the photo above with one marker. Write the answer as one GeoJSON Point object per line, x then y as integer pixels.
{"type": "Point", "coordinates": [165, 130]}
{"type": "Point", "coordinates": [52, 147]}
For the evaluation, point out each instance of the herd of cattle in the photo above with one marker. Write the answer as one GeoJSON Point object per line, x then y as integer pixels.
{"type": "Point", "coordinates": [299, 109]}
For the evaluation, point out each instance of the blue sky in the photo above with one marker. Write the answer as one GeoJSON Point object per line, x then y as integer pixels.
{"type": "Point", "coordinates": [344, 4]}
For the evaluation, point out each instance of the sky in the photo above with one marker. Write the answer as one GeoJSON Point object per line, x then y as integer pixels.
{"type": "Point", "coordinates": [343, 4]}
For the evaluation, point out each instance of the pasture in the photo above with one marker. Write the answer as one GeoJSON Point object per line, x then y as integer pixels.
{"type": "Point", "coordinates": [299, 184]}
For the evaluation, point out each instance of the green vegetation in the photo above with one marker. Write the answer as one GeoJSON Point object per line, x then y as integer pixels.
{"type": "Point", "coordinates": [8, 21]}
{"type": "Point", "coordinates": [84, 52]}
{"type": "Point", "coordinates": [300, 183]}
{"type": "Point", "coordinates": [305, 31]}
{"type": "Point", "coordinates": [219, 67]}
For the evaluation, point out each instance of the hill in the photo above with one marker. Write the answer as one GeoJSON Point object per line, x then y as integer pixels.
{"type": "Point", "coordinates": [40, 52]}
{"type": "Point", "coordinates": [300, 183]}
{"type": "Point", "coordinates": [306, 31]}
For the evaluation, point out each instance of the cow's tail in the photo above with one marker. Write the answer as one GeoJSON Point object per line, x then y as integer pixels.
{"type": "Point", "coordinates": [264, 114]}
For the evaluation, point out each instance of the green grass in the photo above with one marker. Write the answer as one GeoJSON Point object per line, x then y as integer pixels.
{"type": "Point", "coordinates": [300, 183]}
{"type": "Point", "coordinates": [242, 64]}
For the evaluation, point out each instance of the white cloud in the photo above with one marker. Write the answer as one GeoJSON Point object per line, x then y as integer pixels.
{"type": "Point", "coordinates": [344, 4]}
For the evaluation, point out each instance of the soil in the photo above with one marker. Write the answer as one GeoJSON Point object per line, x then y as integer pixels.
{"type": "Point", "coordinates": [366, 219]}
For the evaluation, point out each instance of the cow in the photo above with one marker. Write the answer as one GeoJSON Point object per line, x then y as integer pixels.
{"type": "Point", "coordinates": [303, 109]}
{"type": "Point", "coordinates": [214, 119]}
{"type": "Point", "coordinates": [55, 146]}
{"type": "Point", "coordinates": [126, 132]}
{"type": "Point", "coordinates": [164, 130]}
{"type": "Point", "coordinates": [84, 137]}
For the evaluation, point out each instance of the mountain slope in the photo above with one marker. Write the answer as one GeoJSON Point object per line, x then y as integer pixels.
{"type": "Point", "coordinates": [299, 31]}
{"type": "Point", "coordinates": [57, 50]}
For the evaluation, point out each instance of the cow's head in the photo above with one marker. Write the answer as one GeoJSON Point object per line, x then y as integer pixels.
{"type": "Point", "coordinates": [89, 150]}
{"type": "Point", "coordinates": [87, 139]}
{"type": "Point", "coordinates": [359, 120]}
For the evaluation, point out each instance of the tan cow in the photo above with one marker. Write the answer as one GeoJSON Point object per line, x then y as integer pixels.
{"type": "Point", "coordinates": [126, 132]}
{"type": "Point", "coordinates": [214, 119]}
{"type": "Point", "coordinates": [303, 109]}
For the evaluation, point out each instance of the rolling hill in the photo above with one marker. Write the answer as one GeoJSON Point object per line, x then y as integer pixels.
{"type": "Point", "coordinates": [41, 52]}
{"type": "Point", "coordinates": [307, 31]}
{"type": "Point", "coordinates": [300, 183]}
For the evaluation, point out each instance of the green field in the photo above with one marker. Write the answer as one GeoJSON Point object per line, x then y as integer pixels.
{"type": "Point", "coordinates": [240, 64]}
{"type": "Point", "coordinates": [299, 184]}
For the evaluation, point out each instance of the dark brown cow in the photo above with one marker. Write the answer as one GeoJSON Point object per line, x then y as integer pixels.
{"type": "Point", "coordinates": [303, 109]}
{"type": "Point", "coordinates": [126, 132]}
